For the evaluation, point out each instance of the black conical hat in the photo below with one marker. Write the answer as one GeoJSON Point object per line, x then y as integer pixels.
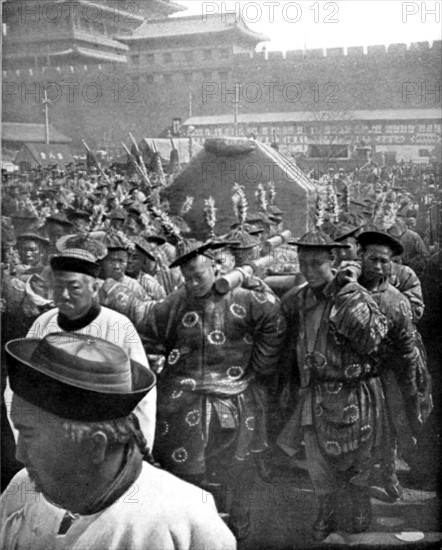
{"type": "Point", "coordinates": [317, 239]}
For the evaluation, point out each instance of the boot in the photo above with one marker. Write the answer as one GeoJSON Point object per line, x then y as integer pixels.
{"type": "Point", "coordinates": [391, 485]}
{"type": "Point", "coordinates": [263, 468]}
{"type": "Point", "coordinates": [361, 510]}
{"type": "Point", "coordinates": [325, 521]}
{"type": "Point", "coordinates": [239, 520]}
{"type": "Point", "coordinates": [388, 469]}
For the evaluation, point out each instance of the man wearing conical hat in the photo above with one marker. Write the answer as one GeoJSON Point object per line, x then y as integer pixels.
{"type": "Point", "coordinates": [336, 328]}
{"type": "Point", "coordinates": [137, 259]}
{"type": "Point", "coordinates": [222, 351]}
{"type": "Point", "coordinates": [403, 279]}
{"type": "Point", "coordinates": [33, 248]}
{"type": "Point", "coordinates": [415, 253]}
{"type": "Point", "coordinates": [403, 359]}
{"type": "Point", "coordinates": [114, 264]}
{"type": "Point", "coordinates": [88, 472]}
{"type": "Point", "coordinates": [11, 201]}
{"type": "Point", "coordinates": [346, 234]}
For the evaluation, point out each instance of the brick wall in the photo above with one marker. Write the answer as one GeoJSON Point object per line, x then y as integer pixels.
{"type": "Point", "coordinates": [311, 80]}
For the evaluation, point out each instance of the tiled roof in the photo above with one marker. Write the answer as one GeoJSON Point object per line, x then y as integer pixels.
{"type": "Point", "coordinates": [100, 39]}
{"type": "Point", "coordinates": [99, 55]}
{"type": "Point", "coordinates": [76, 35]}
{"type": "Point", "coordinates": [193, 25]}
{"type": "Point", "coordinates": [30, 133]}
{"type": "Point", "coordinates": [320, 116]}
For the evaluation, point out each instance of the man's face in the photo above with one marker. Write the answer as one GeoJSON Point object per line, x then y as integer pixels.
{"type": "Point", "coordinates": [55, 231]}
{"type": "Point", "coordinates": [410, 222]}
{"type": "Point", "coordinates": [81, 225]}
{"type": "Point", "coordinates": [73, 293]}
{"type": "Point", "coordinates": [135, 262]}
{"type": "Point", "coordinates": [150, 266]}
{"type": "Point", "coordinates": [52, 460]}
{"type": "Point", "coordinates": [132, 227]}
{"type": "Point", "coordinates": [115, 264]}
{"type": "Point", "coordinates": [199, 276]}
{"type": "Point", "coordinates": [272, 230]}
{"type": "Point", "coordinates": [117, 224]}
{"type": "Point", "coordinates": [30, 253]}
{"type": "Point", "coordinates": [224, 262]}
{"type": "Point", "coordinates": [376, 262]}
{"type": "Point", "coordinates": [279, 227]}
{"type": "Point", "coordinates": [315, 265]}
{"type": "Point", "coordinates": [346, 254]}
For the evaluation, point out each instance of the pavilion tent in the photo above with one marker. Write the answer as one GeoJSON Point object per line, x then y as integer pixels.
{"type": "Point", "coordinates": [33, 155]}
{"type": "Point", "coordinates": [8, 161]}
{"type": "Point", "coordinates": [9, 166]}
{"type": "Point", "coordinates": [226, 161]}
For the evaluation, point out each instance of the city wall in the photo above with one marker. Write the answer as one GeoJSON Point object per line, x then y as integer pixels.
{"type": "Point", "coordinates": [102, 103]}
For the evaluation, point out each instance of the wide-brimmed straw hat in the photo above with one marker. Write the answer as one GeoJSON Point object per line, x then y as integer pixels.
{"type": "Point", "coordinates": [382, 239]}
{"type": "Point", "coordinates": [317, 239]}
{"type": "Point", "coordinates": [142, 245]}
{"type": "Point", "coordinates": [346, 230]}
{"type": "Point", "coordinates": [77, 377]}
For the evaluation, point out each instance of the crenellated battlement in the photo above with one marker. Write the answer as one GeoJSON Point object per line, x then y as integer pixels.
{"type": "Point", "coordinates": [376, 77]}
{"type": "Point", "coordinates": [379, 50]}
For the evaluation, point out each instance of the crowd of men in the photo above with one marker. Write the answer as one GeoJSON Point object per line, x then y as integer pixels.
{"type": "Point", "coordinates": [131, 368]}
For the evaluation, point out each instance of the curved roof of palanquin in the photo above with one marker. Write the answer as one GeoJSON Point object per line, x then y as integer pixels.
{"type": "Point", "coordinates": [193, 26]}
{"type": "Point", "coordinates": [225, 161]}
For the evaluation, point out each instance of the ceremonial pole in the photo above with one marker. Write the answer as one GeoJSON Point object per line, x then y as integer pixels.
{"type": "Point", "coordinates": [46, 101]}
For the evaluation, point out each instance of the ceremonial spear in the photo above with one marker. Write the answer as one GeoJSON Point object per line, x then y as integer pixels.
{"type": "Point", "coordinates": [96, 162]}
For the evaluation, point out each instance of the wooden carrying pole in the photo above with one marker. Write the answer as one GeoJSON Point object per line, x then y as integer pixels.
{"type": "Point", "coordinates": [238, 275]}
{"type": "Point", "coordinates": [235, 278]}
{"type": "Point", "coordinates": [279, 239]}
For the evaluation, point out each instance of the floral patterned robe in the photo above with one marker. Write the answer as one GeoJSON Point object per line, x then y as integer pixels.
{"type": "Point", "coordinates": [221, 353]}
{"type": "Point", "coordinates": [332, 342]}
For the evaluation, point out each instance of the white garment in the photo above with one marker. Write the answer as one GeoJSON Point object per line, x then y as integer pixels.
{"type": "Point", "coordinates": [158, 512]}
{"type": "Point", "coordinates": [113, 327]}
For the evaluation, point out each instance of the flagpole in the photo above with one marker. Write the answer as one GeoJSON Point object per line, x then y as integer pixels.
{"type": "Point", "coordinates": [190, 102]}
{"type": "Point", "coordinates": [46, 102]}
{"type": "Point", "coordinates": [236, 113]}
{"type": "Point", "coordinates": [100, 169]}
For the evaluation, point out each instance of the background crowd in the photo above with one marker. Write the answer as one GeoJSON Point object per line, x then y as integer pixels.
{"type": "Point", "coordinates": [148, 267]}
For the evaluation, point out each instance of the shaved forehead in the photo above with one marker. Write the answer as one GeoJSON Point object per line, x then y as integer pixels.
{"type": "Point", "coordinates": [315, 253]}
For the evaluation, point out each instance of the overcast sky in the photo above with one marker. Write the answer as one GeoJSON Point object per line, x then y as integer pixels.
{"type": "Point", "coordinates": [350, 22]}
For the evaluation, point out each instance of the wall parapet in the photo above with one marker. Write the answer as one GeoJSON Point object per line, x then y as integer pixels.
{"type": "Point", "coordinates": [380, 50]}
